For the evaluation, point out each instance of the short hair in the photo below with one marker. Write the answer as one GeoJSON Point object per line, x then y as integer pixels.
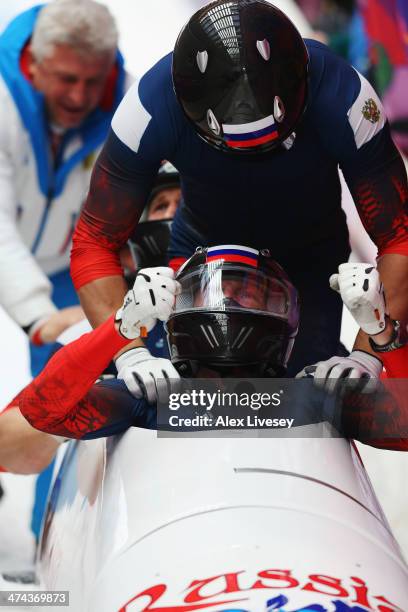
{"type": "Point", "coordinates": [85, 25]}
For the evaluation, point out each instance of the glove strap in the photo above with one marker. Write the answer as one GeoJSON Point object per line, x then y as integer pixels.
{"type": "Point", "coordinates": [138, 349]}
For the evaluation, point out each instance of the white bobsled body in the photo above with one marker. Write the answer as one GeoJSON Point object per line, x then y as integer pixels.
{"type": "Point", "coordinates": [140, 523]}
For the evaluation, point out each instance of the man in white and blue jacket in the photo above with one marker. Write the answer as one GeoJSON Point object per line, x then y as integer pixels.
{"type": "Point", "coordinates": [61, 79]}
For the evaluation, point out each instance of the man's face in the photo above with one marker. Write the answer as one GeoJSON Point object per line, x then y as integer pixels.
{"type": "Point", "coordinates": [72, 83]}
{"type": "Point", "coordinates": [248, 294]}
{"type": "Point", "coordinates": [164, 205]}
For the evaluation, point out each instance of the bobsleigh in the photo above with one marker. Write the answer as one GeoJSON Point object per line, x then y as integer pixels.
{"type": "Point", "coordinates": [141, 523]}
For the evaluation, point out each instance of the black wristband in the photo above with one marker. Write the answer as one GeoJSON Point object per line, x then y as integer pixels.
{"type": "Point", "coordinates": [397, 340]}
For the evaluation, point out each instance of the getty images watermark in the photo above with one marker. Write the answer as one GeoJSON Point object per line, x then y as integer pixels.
{"type": "Point", "coordinates": [226, 405]}
{"type": "Point", "coordinates": [284, 407]}
{"type": "Point", "coordinates": [214, 401]}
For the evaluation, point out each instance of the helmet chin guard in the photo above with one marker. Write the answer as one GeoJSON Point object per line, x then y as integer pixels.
{"type": "Point", "coordinates": [149, 242]}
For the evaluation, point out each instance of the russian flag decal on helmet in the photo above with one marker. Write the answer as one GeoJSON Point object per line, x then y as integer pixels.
{"type": "Point", "coordinates": [234, 253]}
{"type": "Point", "coordinates": [251, 134]}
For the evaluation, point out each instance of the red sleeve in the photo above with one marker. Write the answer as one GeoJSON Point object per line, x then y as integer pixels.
{"type": "Point", "coordinates": [91, 256]}
{"type": "Point", "coordinates": [67, 377]}
{"type": "Point", "coordinates": [397, 248]}
{"type": "Point", "coordinates": [394, 417]}
{"type": "Point", "coordinates": [176, 263]}
{"type": "Point", "coordinates": [382, 419]}
{"type": "Point", "coordinates": [379, 419]}
{"type": "Point", "coordinates": [396, 362]}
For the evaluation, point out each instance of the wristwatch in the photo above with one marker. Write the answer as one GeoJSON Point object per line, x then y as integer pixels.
{"type": "Point", "coordinates": [398, 339]}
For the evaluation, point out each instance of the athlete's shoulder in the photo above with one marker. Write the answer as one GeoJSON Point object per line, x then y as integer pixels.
{"type": "Point", "coordinates": [156, 86]}
{"type": "Point", "coordinates": [153, 89]}
{"type": "Point", "coordinates": [334, 84]}
{"type": "Point", "coordinates": [150, 109]}
{"type": "Point", "coordinates": [342, 104]}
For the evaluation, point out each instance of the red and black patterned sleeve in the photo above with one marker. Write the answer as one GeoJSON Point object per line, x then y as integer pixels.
{"type": "Point", "coordinates": [120, 184]}
{"type": "Point", "coordinates": [377, 180]}
{"type": "Point", "coordinates": [376, 417]}
{"type": "Point", "coordinates": [63, 399]}
{"type": "Point", "coordinates": [380, 419]}
{"type": "Point", "coordinates": [396, 363]}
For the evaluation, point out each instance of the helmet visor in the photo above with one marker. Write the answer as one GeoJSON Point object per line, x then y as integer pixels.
{"type": "Point", "coordinates": [227, 287]}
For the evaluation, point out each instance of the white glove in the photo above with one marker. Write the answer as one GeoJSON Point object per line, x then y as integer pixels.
{"type": "Point", "coordinates": [144, 375]}
{"type": "Point", "coordinates": [362, 292]}
{"type": "Point", "coordinates": [151, 298]}
{"type": "Point", "coordinates": [357, 366]}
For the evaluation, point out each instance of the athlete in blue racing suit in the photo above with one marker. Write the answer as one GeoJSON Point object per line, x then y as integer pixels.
{"type": "Point", "coordinates": [246, 180]}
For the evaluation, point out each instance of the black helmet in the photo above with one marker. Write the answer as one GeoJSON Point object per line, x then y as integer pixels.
{"type": "Point", "coordinates": [149, 242]}
{"type": "Point", "coordinates": [240, 75]}
{"type": "Point", "coordinates": [237, 307]}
